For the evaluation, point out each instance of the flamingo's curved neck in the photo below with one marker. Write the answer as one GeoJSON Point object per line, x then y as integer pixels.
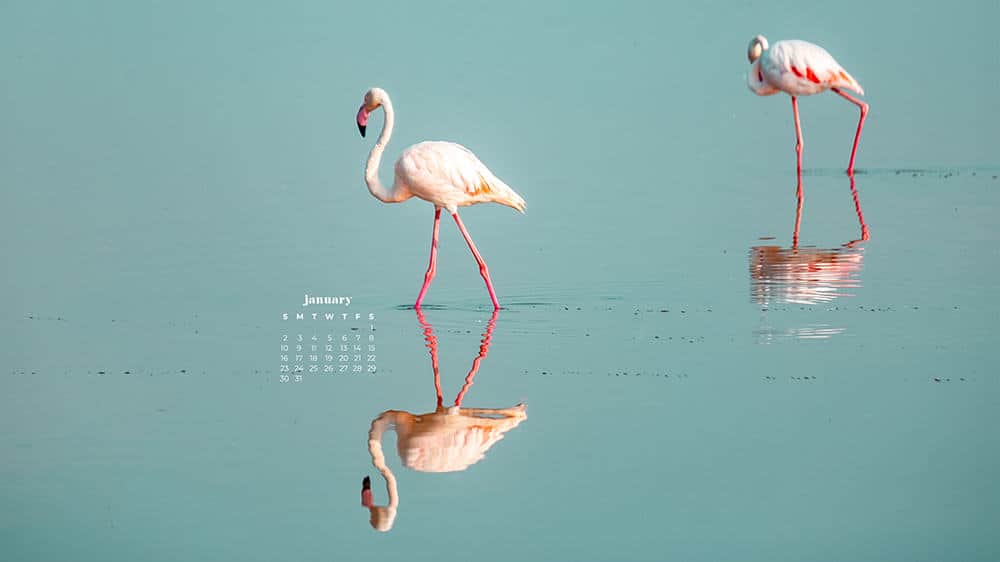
{"type": "Point", "coordinates": [379, 191]}
{"type": "Point", "coordinates": [379, 425]}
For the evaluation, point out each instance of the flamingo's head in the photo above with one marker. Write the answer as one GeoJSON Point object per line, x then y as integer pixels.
{"type": "Point", "coordinates": [755, 74]}
{"type": "Point", "coordinates": [382, 517]}
{"type": "Point", "coordinates": [373, 99]}
{"type": "Point", "coordinates": [756, 48]}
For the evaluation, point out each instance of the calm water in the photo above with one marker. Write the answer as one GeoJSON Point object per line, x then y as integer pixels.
{"type": "Point", "coordinates": [175, 177]}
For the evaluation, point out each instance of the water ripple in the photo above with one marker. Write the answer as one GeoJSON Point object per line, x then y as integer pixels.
{"type": "Point", "coordinates": [803, 275]}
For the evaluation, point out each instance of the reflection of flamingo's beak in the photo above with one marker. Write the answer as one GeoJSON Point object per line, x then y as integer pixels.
{"type": "Point", "coordinates": [362, 119]}
{"type": "Point", "coordinates": [366, 492]}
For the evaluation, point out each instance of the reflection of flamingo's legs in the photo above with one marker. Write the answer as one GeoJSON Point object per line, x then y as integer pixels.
{"type": "Point", "coordinates": [483, 349]}
{"type": "Point", "coordinates": [800, 196]}
{"type": "Point", "coordinates": [432, 345]}
{"type": "Point", "coordinates": [857, 208]}
{"type": "Point", "coordinates": [798, 211]}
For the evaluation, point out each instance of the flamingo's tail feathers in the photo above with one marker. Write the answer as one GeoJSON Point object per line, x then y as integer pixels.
{"type": "Point", "coordinates": [493, 190]}
{"type": "Point", "coordinates": [856, 87]}
{"type": "Point", "coordinates": [842, 79]}
{"type": "Point", "coordinates": [505, 195]}
{"type": "Point", "coordinates": [517, 202]}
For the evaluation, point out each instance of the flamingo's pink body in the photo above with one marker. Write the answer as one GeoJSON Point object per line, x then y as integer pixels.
{"type": "Point", "coordinates": [443, 173]}
{"type": "Point", "coordinates": [450, 176]}
{"type": "Point", "coordinates": [800, 68]}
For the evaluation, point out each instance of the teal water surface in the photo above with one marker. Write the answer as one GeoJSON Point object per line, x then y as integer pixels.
{"type": "Point", "coordinates": [174, 177]}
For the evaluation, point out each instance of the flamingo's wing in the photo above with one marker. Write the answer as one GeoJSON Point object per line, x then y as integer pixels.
{"type": "Point", "coordinates": [455, 172]}
{"type": "Point", "coordinates": [808, 66]}
{"type": "Point", "coordinates": [442, 166]}
{"type": "Point", "coordinates": [469, 173]}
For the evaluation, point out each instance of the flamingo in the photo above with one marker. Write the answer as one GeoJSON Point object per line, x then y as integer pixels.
{"type": "Point", "coordinates": [800, 68]}
{"type": "Point", "coordinates": [449, 439]}
{"type": "Point", "coordinates": [445, 174]}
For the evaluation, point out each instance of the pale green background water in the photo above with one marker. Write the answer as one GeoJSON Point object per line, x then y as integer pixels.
{"type": "Point", "coordinates": [173, 176]}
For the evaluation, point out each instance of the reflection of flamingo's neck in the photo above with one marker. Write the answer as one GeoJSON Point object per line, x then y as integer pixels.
{"type": "Point", "coordinates": [382, 517]}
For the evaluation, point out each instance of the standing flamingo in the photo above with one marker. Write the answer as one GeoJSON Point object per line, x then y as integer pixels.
{"type": "Point", "coordinates": [799, 68]}
{"type": "Point", "coordinates": [443, 173]}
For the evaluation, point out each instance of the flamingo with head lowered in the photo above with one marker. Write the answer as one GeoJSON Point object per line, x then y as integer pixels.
{"type": "Point", "coordinates": [799, 68]}
{"type": "Point", "coordinates": [443, 173]}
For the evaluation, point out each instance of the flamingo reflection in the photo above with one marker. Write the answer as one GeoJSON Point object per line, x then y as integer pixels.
{"type": "Point", "coordinates": [807, 275]}
{"type": "Point", "coordinates": [449, 439]}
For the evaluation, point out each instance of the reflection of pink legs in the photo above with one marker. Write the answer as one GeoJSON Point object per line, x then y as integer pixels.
{"type": "Point", "coordinates": [861, 123]}
{"type": "Point", "coordinates": [857, 208]}
{"type": "Point", "coordinates": [479, 259]}
{"type": "Point", "coordinates": [432, 344]}
{"type": "Point", "coordinates": [798, 138]}
{"type": "Point", "coordinates": [432, 266]}
{"type": "Point", "coordinates": [484, 347]}
{"type": "Point", "coordinates": [798, 213]}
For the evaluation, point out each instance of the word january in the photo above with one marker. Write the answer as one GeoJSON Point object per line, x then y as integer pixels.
{"type": "Point", "coordinates": [346, 301]}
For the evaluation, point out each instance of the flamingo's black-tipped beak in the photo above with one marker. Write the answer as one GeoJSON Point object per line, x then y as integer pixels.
{"type": "Point", "coordinates": [366, 489]}
{"type": "Point", "coordinates": [362, 120]}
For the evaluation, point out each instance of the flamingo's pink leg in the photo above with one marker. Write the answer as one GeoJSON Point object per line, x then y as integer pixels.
{"type": "Point", "coordinates": [479, 259]}
{"type": "Point", "coordinates": [861, 123]}
{"type": "Point", "coordinates": [432, 266]}
{"type": "Point", "coordinates": [798, 139]}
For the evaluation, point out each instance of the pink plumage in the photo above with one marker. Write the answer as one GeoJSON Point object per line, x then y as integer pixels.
{"type": "Point", "coordinates": [450, 176]}
{"type": "Point", "coordinates": [800, 68]}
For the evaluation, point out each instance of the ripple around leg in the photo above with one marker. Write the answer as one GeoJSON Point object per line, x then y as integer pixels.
{"type": "Point", "coordinates": [422, 307]}
{"type": "Point", "coordinates": [942, 172]}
